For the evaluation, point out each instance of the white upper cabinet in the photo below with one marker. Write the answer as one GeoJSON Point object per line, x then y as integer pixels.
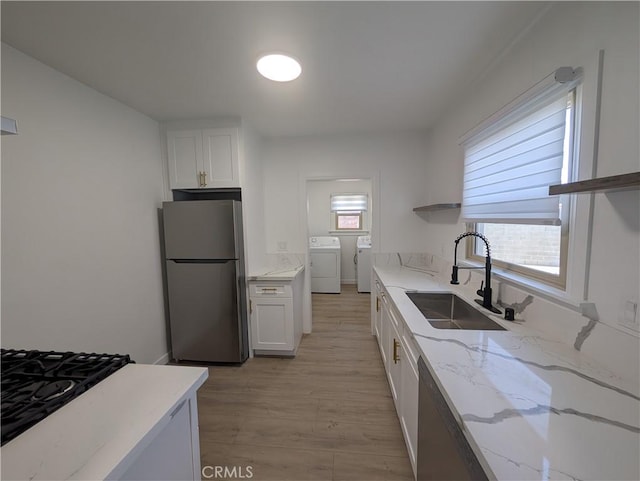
{"type": "Point", "coordinates": [203, 159]}
{"type": "Point", "coordinates": [184, 151]}
{"type": "Point", "coordinates": [220, 149]}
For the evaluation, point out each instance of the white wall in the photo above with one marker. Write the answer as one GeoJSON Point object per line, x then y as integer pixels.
{"type": "Point", "coordinates": [251, 177]}
{"type": "Point", "coordinates": [321, 221]}
{"type": "Point", "coordinates": [81, 185]}
{"type": "Point", "coordinates": [393, 161]}
{"type": "Point", "coordinates": [569, 34]}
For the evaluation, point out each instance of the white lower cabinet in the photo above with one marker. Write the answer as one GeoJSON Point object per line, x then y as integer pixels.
{"type": "Point", "coordinates": [376, 311]}
{"type": "Point", "coordinates": [272, 323]}
{"type": "Point", "coordinates": [394, 364]}
{"type": "Point", "coordinates": [400, 358]}
{"type": "Point", "coordinates": [409, 396]}
{"type": "Point", "coordinates": [385, 329]}
{"type": "Point", "coordinates": [174, 454]}
{"type": "Point", "coordinates": [276, 316]}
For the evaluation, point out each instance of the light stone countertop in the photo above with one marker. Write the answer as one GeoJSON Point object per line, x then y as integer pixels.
{"type": "Point", "coordinates": [531, 407]}
{"type": "Point", "coordinates": [288, 274]}
{"type": "Point", "coordinates": [101, 432]}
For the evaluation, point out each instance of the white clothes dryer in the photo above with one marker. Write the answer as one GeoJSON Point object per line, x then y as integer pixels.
{"type": "Point", "coordinates": [325, 264]}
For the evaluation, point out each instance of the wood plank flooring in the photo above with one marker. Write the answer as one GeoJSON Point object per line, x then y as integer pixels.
{"type": "Point", "coordinates": [326, 414]}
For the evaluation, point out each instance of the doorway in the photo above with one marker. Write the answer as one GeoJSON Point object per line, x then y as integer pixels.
{"type": "Point", "coordinates": [342, 209]}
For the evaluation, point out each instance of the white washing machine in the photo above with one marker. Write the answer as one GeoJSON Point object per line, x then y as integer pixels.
{"type": "Point", "coordinates": [363, 263]}
{"type": "Point", "coordinates": [325, 264]}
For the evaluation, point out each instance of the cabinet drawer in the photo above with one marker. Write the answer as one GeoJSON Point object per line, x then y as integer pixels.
{"type": "Point", "coordinates": [409, 346]}
{"type": "Point", "coordinates": [270, 290]}
{"type": "Point", "coordinates": [395, 315]}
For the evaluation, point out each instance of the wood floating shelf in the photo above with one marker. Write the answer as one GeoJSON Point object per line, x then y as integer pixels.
{"type": "Point", "coordinates": [433, 207]}
{"type": "Point", "coordinates": [614, 182]}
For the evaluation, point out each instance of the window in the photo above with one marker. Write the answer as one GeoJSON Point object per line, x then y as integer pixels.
{"type": "Point", "coordinates": [509, 166]}
{"type": "Point", "coordinates": [348, 220]}
{"type": "Point", "coordinates": [348, 210]}
{"type": "Point", "coordinates": [537, 251]}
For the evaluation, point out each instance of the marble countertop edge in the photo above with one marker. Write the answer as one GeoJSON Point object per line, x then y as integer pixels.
{"type": "Point", "coordinates": [284, 274]}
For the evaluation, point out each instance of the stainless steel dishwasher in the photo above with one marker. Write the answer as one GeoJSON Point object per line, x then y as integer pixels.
{"type": "Point", "coordinates": [443, 451]}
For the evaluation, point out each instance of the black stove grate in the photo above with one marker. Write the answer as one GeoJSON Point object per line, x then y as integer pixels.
{"type": "Point", "coordinates": [37, 383]}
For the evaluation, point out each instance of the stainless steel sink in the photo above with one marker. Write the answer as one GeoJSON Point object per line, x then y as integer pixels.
{"type": "Point", "coordinates": [448, 311]}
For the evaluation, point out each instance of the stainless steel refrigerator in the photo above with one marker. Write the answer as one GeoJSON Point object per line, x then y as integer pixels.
{"type": "Point", "coordinates": [205, 280]}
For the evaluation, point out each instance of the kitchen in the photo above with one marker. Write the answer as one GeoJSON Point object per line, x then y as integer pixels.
{"type": "Point", "coordinates": [84, 177]}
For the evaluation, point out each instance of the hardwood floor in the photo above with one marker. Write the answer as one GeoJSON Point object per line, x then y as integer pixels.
{"type": "Point", "coordinates": [326, 414]}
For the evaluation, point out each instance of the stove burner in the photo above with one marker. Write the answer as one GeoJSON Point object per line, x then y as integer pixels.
{"type": "Point", "coordinates": [37, 383]}
{"type": "Point", "coordinates": [53, 390]}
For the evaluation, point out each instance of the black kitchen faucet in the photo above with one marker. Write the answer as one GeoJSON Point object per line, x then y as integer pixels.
{"type": "Point", "coordinates": [486, 291]}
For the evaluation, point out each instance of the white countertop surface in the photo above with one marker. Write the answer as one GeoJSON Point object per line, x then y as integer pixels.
{"type": "Point", "coordinates": [531, 407]}
{"type": "Point", "coordinates": [98, 433]}
{"type": "Point", "coordinates": [288, 274]}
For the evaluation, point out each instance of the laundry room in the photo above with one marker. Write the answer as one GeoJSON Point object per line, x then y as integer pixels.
{"type": "Point", "coordinates": [339, 225]}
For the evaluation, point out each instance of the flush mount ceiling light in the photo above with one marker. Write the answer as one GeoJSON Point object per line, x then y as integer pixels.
{"type": "Point", "coordinates": [279, 67]}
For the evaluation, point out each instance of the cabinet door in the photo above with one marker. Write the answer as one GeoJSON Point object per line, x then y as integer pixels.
{"type": "Point", "coordinates": [174, 453]}
{"type": "Point", "coordinates": [220, 149]}
{"type": "Point", "coordinates": [409, 398]}
{"type": "Point", "coordinates": [394, 363]}
{"type": "Point", "coordinates": [377, 314]}
{"type": "Point", "coordinates": [385, 330]}
{"type": "Point", "coordinates": [184, 151]}
{"type": "Point", "coordinates": [272, 323]}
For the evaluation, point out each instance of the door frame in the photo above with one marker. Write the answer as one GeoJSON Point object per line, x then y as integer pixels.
{"type": "Point", "coordinates": [374, 228]}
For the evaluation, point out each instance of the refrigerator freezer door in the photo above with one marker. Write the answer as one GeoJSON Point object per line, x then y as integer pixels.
{"type": "Point", "coordinates": [205, 319]}
{"type": "Point", "coordinates": [201, 229]}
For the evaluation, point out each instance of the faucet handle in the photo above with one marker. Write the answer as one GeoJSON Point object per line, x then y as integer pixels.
{"type": "Point", "coordinates": [480, 291]}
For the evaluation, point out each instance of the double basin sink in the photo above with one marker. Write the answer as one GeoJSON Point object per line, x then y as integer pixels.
{"type": "Point", "coordinates": [448, 311]}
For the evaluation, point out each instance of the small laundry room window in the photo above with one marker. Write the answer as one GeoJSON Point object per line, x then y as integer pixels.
{"type": "Point", "coordinates": [348, 210]}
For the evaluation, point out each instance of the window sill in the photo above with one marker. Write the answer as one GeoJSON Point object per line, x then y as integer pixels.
{"type": "Point", "coordinates": [349, 232]}
{"type": "Point", "coordinates": [533, 286]}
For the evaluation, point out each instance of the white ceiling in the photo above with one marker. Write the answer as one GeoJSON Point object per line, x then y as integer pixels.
{"type": "Point", "coordinates": [367, 66]}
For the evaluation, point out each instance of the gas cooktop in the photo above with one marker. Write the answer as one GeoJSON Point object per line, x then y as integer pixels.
{"type": "Point", "coordinates": [37, 383]}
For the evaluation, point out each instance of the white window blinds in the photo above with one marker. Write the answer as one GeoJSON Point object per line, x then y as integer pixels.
{"type": "Point", "coordinates": [509, 164]}
{"type": "Point", "coordinates": [349, 202]}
